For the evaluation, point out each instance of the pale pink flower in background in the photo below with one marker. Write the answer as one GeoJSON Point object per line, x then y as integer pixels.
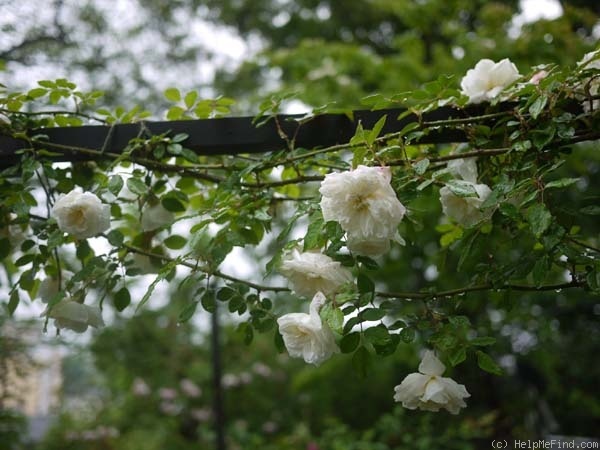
{"type": "Point", "coordinates": [464, 168]}
{"type": "Point", "coordinates": [262, 369]}
{"type": "Point", "coordinates": [189, 388]}
{"type": "Point", "coordinates": [538, 76]}
{"type": "Point", "coordinates": [312, 272]}
{"type": "Point", "coordinates": [201, 414]}
{"type": "Point", "coordinates": [167, 393]}
{"type": "Point", "coordinates": [428, 390]}
{"type": "Point", "coordinates": [168, 408]}
{"type": "Point", "coordinates": [363, 202]}
{"type": "Point", "coordinates": [156, 216]}
{"type": "Point", "coordinates": [74, 316]}
{"type": "Point", "coordinates": [488, 79]}
{"type": "Point", "coordinates": [140, 388]}
{"type": "Point", "coordinates": [81, 214]}
{"type": "Point", "coordinates": [306, 336]}
{"type": "Point", "coordinates": [230, 380]}
{"type": "Point", "coordinates": [466, 211]}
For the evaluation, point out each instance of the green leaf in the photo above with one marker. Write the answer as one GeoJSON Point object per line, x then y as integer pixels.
{"type": "Point", "coordinates": [374, 133]}
{"type": "Point", "coordinates": [333, 316]}
{"type": "Point", "coordinates": [563, 182]}
{"type": "Point", "coordinates": [365, 284]}
{"type": "Point", "coordinates": [115, 184]}
{"type": "Point", "coordinates": [459, 321]}
{"type": "Point", "coordinates": [457, 356]}
{"type": "Point", "coordinates": [122, 299]}
{"type": "Point", "coordinates": [483, 341]}
{"type": "Point", "coordinates": [315, 238]}
{"type": "Point", "coordinates": [407, 335]}
{"type": "Point", "coordinates": [591, 210]}
{"type": "Point", "coordinates": [188, 311]}
{"type": "Point", "coordinates": [47, 84]}
{"type": "Point", "coordinates": [485, 362]}
{"type": "Point", "coordinates": [115, 238]}
{"type": "Point", "coordinates": [190, 99]}
{"type": "Point", "coordinates": [37, 92]}
{"type": "Point", "coordinates": [371, 314]}
{"type": "Point", "coordinates": [4, 248]}
{"type": "Point", "coordinates": [350, 342]}
{"type": "Point", "coordinates": [367, 262]}
{"type": "Point", "coordinates": [175, 242]}
{"type": "Point", "coordinates": [362, 361]}
{"type": "Point", "coordinates": [164, 272]}
{"type": "Point", "coordinates": [24, 260]}
{"type": "Point", "coordinates": [538, 106]}
{"type": "Point", "coordinates": [539, 218]}
{"type": "Point", "coordinates": [172, 204]}
{"type": "Point", "coordinates": [175, 113]}
{"type": "Point", "coordinates": [378, 335]}
{"type": "Point", "coordinates": [136, 186]}
{"type": "Point", "coordinates": [208, 302]}
{"type": "Point", "coordinates": [462, 188]}
{"type": "Point", "coordinates": [172, 94]}
{"type": "Point", "coordinates": [13, 302]}
{"type": "Point", "coordinates": [540, 270]}
{"type": "Point", "coordinates": [421, 166]}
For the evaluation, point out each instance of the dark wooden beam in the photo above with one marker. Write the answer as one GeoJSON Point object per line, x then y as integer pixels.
{"type": "Point", "coordinates": [230, 135]}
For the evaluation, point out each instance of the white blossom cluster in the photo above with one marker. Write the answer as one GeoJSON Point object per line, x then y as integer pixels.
{"type": "Point", "coordinates": [465, 211]}
{"type": "Point", "coordinates": [364, 204]}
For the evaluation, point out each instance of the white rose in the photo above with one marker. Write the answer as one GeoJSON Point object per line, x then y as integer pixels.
{"type": "Point", "coordinates": [81, 214]}
{"type": "Point", "coordinates": [156, 216]}
{"type": "Point", "coordinates": [465, 210]}
{"type": "Point", "coordinates": [75, 316]}
{"type": "Point", "coordinates": [363, 202]}
{"type": "Point", "coordinates": [49, 286]}
{"type": "Point", "coordinates": [591, 60]}
{"type": "Point", "coordinates": [487, 79]}
{"type": "Point", "coordinates": [429, 391]}
{"type": "Point", "coordinates": [306, 336]}
{"type": "Point", "coordinates": [312, 272]}
{"type": "Point", "coordinates": [465, 168]}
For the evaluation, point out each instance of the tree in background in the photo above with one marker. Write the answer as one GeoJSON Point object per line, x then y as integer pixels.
{"type": "Point", "coordinates": [327, 53]}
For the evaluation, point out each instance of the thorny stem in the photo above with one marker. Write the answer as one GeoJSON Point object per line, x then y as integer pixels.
{"type": "Point", "coordinates": [54, 113]}
{"type": "Point", "coordinates": [397, 295]}
{"type": "Point", "coordinates": [480, 287]}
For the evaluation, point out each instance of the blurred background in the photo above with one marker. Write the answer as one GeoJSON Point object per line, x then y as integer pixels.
{"type": "Point", "coordinates": [145, 381]}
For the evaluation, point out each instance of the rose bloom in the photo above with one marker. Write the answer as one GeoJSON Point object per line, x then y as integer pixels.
{"type": "Point", "coordinates": [306, 336]}
{"type": "Point", "coordinates": [49, 286]}
{"type": "Point", "coordinates": [81, 214]}
{"type": "Point", "coordinates": [429, 391]}
{"type": "Point", "coordinates": [75, 316]}
{"type": "Point", "coordinates": [465, 168]}
{"type": "Point", "coordinates": [465, 210]}
{"type": "Point", "coordinates": [156, 216]}
{"type": "Point", "coordinates": [487, 79]}
{"type": "Point", "coordinates": [312, 272]}
{"type": "Point", "coordinates": [363, 202]}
